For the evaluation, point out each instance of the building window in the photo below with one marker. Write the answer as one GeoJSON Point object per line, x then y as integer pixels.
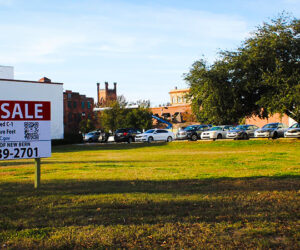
{"type": "Point", "coordinates": [69, 95]}
{"type": "Point", "coordinates": [78, 117]}
{"type": "Point", "coordinates": [75, 105]}
{"type": "Point", "coordinates": [174, 99]}
{"type": "Point", "coordinates": [88, 105]}
{"type": "Point", "coordinates": [69, 104]}
{"type": "Point", "coordinates": [89, 116]}
{"type": "Point", "coordinates": [70, 117]}
{"type": "Point", "coordinates": [82, 105]}
{"type": "Point", "coordinates": [179, 99]}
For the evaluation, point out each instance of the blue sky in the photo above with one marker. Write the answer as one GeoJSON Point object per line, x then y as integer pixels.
{"type": "Point", "coordinates": [144, 46]}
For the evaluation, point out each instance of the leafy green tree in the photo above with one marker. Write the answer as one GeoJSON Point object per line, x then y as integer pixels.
{"type": "Point", "coordinates": [214, 100]}
{"type": "Point", "coordinates": [260, 78]}
{"type": "Point", "coordinates": [140, 118]}
{"type": "Point", "coordinates": [270, 66]}
{"type": "Point", "coordinates": [86, 125]}
{"type": "Point", "coordinates": [113, 117]}
{"type": "Point", "coordinates": [117, 116]}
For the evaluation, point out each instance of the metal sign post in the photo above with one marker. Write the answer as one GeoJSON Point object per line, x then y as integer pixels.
{"type": "Point", "coordinates": [37, 176]}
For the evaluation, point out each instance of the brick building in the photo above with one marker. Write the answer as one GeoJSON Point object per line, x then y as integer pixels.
{"type": "Point", "coordinates": [76, 108]}
{"type": "Point", "coordinates": [179, 108]}
{"type": "Point", "coordinates": [274, 118]}
{"type": "Point", "coordinates": [106, 95]}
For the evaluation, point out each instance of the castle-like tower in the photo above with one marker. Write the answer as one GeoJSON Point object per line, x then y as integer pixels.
{"type": "Point", "coordinates": [105, 96]}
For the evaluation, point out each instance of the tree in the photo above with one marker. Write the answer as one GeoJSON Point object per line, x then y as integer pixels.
{"type": "Point", "coordinates": [261, 78]}
{"type": "Point", "coordinates": [214, 100]}
{"type": "Point", "coordinates": [270, 61]}
{"type": "Point", "coordinates": [140, 118]}
{"type": "Point", "coordinates": [118, 116]}
{"type": "Point", "coordinates": [86, 125]}
{"type": "Point", "coordinates": [113, 117]}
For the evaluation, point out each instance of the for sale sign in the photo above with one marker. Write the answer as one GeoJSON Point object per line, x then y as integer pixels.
{"type": "Point", "coordinates": [25, 130]}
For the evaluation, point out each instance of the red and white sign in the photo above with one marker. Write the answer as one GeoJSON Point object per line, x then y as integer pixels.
{"type": "Point", "coordinates": [25, 130]}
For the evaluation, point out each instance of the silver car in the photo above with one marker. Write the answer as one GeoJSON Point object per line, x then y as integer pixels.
{"type": "Point", "coordinates": [242, 132]}
{"type": "Point", "coordinates": [293, 131]}
{"type": "Point", "coordinates": [271, 130]}
{"type": "Point", "coordinates": [192, 132]}
{"type": "Point", "coordinates": [217, 132]}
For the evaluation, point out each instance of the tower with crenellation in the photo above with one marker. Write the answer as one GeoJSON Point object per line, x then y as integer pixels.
{"type": "Point", "coordinates": [106, 95]}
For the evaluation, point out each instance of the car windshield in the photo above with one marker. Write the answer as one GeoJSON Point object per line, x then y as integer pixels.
{"type": "Point", "coordinates": [296, 125]}
{"type": "Point", "coordinates": [120, 130]}
{"type": "Point", "coordinates": [189, 128]}
{"type": "Point", "coordinates": [270, 125]}
{"type": "Point", "coordinates": [149, 131]}
{"type": "Point", "coordinates": [216, 128]}
{"type": "Point", "coordinates": [91, 133]}
{"type": "Point", "coordinates": [240, 127]}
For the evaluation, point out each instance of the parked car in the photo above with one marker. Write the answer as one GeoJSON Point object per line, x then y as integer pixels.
{"type": "Point", "coordinates": [155, 135]}
{"type": "Point", "coordinates": [271, 130]}
{"type": "Point", "coordinates": [91, 136]}
{"type": "Point", "coordinates": [242, 132]}
{"type": "Point", "coordinates": [192, 132]}
{"type": "Point", "coordinates": [293, 131]}
{"type": "Point", "coordinates": [217, 132]}
{"type": "Point", "coordinates": [103, 137]}
{"type": "Point", "coordinates": [126, 134]}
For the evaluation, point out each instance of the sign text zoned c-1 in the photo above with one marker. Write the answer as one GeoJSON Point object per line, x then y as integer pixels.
{"type": "Point", "coordinates": [25, 130]}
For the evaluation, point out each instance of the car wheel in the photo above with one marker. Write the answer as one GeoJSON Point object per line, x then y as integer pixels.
{"type": "Point", "coordinates": [194, 138]}
{"type": "Point", "coordinates": [219, 136]}
{"type": "Point", "coordinates": [169, 139]}
{"type": "Point", "coordinates": [130, 140]}
{"type": "Point", "coordinates": [245, 137]}
{"type": "Point", "coordinates": [90, 140]}
{"type": "Point", "coordinates": [275, 135]}
{"type": "Point", "coordinates": [150, 139]}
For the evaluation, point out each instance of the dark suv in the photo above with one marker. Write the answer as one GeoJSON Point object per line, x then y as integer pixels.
{"type": "Point", "coordinates": [192, 132]}
{"type": "Point", "coordinates": [126, 134]}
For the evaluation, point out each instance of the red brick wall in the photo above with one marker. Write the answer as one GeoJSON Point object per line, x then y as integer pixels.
{"type": "Point", "coordinates": [261, 122]}
{"type": "Point", "coordinates": [75, 111]}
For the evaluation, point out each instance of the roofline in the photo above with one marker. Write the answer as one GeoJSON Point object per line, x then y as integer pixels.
{"type": "Point", "coordinates": [12, 80]}
{"type": "Point", "coordinates": [179, 90]}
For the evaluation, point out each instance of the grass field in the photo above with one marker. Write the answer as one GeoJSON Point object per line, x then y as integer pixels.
{"type": "Point", "coordinates": [223, 194]}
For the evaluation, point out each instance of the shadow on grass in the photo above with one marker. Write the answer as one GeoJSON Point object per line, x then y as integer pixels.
{"type": "Point", "coordinates": [76, 203]}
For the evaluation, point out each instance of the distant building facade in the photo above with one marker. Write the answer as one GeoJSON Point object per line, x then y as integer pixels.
{"type": "Point", "coordinates": [179, 108]}
{"type": "Point", "coordinates": [179, 96]}
{"type": "Point", "coordinates": [274, 118]}
{"type": "Point", "coordinates": [7, 72]}
{"type": "Point", "coordinates": [106, 95]}
{"type": "Point", "coordinates": [76, 108]}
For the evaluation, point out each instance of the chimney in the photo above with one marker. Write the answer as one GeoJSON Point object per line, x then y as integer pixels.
{"type": "Point", "coordinates": [98, 89]}
{"type": "Point", "coordinates": [175, 87]}
{"type": "Point", "coordinates": [115, 86]}
{"type": "Point", "coordinates": [106, 86]}
{"type": "Point", "coordinates": [45, 80]}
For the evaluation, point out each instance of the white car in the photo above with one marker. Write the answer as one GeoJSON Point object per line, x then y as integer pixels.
{"type": "Point", "coordinates": [155, 135]}
{"type": "Point", "coordinates": [217, 132]}
{"type": "Point", "coordinates": [293, 131]}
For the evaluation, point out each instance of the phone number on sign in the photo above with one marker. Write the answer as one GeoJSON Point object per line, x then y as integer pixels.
{"type": "Point", "coordinates": [18, 153]}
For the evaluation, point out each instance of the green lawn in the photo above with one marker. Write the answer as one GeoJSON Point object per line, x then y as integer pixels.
{"type": "Point", "coordinates": [223, 194]}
